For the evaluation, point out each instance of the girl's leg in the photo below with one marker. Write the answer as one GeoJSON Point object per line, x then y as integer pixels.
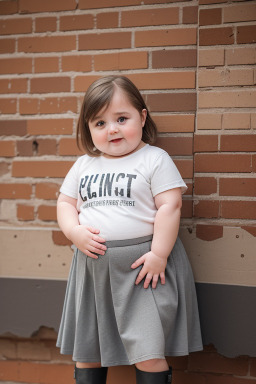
{"type": "Point", "coordinates": [154, 371]}
{"type": "Point", "coordinates": [90, 373]}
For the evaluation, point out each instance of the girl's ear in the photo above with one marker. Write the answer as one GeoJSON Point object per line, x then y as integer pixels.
{"type": "Point", "coordinates": [143, 117]}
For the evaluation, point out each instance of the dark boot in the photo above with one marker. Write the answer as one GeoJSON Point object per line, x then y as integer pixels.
{"type": "Point", "coordinates": [91, 375]}
{"type": "Point", "coordinates": [153, 377]}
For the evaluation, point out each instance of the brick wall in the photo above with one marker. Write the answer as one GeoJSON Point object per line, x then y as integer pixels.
{"type": "Point", "coordinates": [194, 62]}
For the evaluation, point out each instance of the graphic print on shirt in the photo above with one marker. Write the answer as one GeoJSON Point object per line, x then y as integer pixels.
{"type": "Point", "coordinates": [107, 189]}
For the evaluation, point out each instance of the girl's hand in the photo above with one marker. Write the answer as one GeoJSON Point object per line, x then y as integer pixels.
{"type": "Point", "coordinates": [154, 266]}
{"type": "Point", "coordinates": [87, 240]}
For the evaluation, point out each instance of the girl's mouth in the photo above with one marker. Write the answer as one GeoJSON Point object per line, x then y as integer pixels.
{"type": "Point", "coordinates": [116, 140]}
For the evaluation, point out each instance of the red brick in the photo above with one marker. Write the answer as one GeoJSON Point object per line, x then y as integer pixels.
{"type": "Point", "coordinates": [227, 99]}
{"type": "Point", "coordinates": [47, 191]}
{"type": "Point", "coordinates": [50, 126]}
{"type": "Point", "coordinates": [252, 231]}
{"type": "Point", "coordinates": [46, 64]}
{"type": "Point", "coordinates": [81, 83]}
{"type": "Point", "coordinates": [68, 147]}
{"type": "Point", "coordinates": [236, 120]}
{"type": "Point", "coordinates": [8, 105]}
{"type": "Point", "coordinates": [164, 80]}
{"type": "Point", "coordinates": [174, 123]}
{"type": "Point", "coordinates": [37, 147]}
{"type": "Point", "coordinates": [107, 20]}
{"type": "Point", "coordinates": [254, 163]}
{"type": "Point", "coordinates": [205, 143]}
{"type": "Point", "coordinates": [46, 24]}
{"type": "Point", "coordinates": [171, 102]}
{"type": "Point", "coordinates": [165, 37]}
{"type": "Point", "coordinates": [205, 185]}
{"type": "Point", "coordinates": [176, 146]}
{"type": "Point", "coordinates": [58, 104]}
{"type": "Point", "coordinates": [25, 213]}
{"type": "Point", "coordinates": [211, 56]}
{"type": "Point", "coordinates": [16, 66]}
{"type": "Point", "coordinates": [38, 168]}
{"type": "Point", "coordinates": [238, 13]}
{"type": "Point", "coordinates": [50, 84]}
{"type": "Point", "coordinates": [60, 239]}
{"type": "Point", "coordinates": [222, 78]}
{"type": "Point", "coordinates": [185, 168]}
{"type": "Point", "coordinates": [246, 34]}
{"type": "Point", "coordinates": [46, 44]}
{"type": "Point", "coordinates": [190, 15]}
{"type": "Point", "coordinates": [78, 63]}
{"type": "Point", "coordinates": [88, 4]}
{"type": "Point", "coordinates": [120, 61]}
{"type": "Point", "coordinates": [15, 191]}
{"type": "Point", "coordinates": [222, 163]}
{"type": "Point", "coordinates": [209, 233]}
{"type": "Point", "coordinates": [211, 16]}
{"type": "Point", "coordinates": [206, 209]}
{"type": "Point", "coordinates": [7, 148]}
{"type": "Point", "coordinates": [33, 6]}
{"type": "Point", "coordinates": [238, 210]}
{"type": "Point", "coordinates": [189, 191]}
{"type": "Point", "coordinates": [175, 58]}
{"type": "Point", "coordinates": [29, 106]}
{"type": "Point", "coordinates": [13, 127]}
{"type": "Point", "coordinates": [187, 209]}
{"type": "Point", "coordinates": [237, 186]}
{"type": "Point", "coordinates": [153, 16]}
{"type": "Point", "coordinates": [47, 213]}
{"type": "Point", "coordinates": [76, 22]}
{"type": "Point", "coordinates": [107, 40]}
{"type": "Point", "coordinates": [241, 55]}
{"type": "Point", "coordinates": [15, 26]}
{"type": "Point", "coordinates": [13, 86]}
{"type": "Point", "coordinates": [238, 143]}
{"type": "Point", "coordinates": [8, 7]}
{"type": "Point", "coordinates": [25, 148]}
{"type": "Point", "coordinates": [216, 36]}
{"type": "Point", "coordinates": [7, 45]}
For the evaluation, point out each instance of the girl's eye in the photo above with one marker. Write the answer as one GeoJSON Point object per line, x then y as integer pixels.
{"type": "Point", "coordinates": [100, 123]}
{"type": "Point", "coordinates": [122, 119]}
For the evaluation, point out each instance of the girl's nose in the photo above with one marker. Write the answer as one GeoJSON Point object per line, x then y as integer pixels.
{"type": "Point", "coordinates": [113, 128]}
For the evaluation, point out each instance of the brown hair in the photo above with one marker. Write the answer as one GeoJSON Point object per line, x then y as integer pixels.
{"type": "Point", "coordinates": [98, 96]}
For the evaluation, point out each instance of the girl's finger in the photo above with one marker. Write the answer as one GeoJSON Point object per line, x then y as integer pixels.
{"type": "Point", "coordinates": [88, 253]}
{"type": "Point", "coordinates": [147, 280]}
{"type": "Point", "coordinates": [140, 276]}
{"type": "Point", "coordinates": [96, 245]}
{"type": "Point", "coordinates": [162, 278]}
{"type": "Point", "coordinates": [154, 281]}
{"type": "Point", "coordinates": [138, 262]}
{"type": "Point", "coordinates": [93, 230]}
{"type": "Point", "coordinates": [98, 239]}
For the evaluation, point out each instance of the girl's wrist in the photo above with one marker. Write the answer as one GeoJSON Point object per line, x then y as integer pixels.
{"type": "Point", "coordinates": [160, 253]}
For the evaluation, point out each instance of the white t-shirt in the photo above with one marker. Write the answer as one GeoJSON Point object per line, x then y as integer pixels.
{"type": "Point", "coordinates": [116, 196]}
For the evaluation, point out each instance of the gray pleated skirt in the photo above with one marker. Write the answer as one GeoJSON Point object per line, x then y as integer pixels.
{"type": "Point", "coordinates": [107, 318]}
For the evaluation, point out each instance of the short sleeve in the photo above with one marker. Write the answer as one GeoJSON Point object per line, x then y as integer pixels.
{"type": "Point", "coordinates": [70, 184]}
{"type": "Point", "coordinates": [165, 175]}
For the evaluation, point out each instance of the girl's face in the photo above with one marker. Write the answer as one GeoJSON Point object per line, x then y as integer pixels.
{"type": "Point", "coordinates": [117, 130]}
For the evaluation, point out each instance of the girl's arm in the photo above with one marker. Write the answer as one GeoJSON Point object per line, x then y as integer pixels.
{"type": "Point", "coordinates": [166, 227]}
{"type": "Point", "coordinates": [84, 238]}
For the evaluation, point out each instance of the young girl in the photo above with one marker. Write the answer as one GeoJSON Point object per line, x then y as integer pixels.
{"type": "Point", "coordinates": [130, 297]}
